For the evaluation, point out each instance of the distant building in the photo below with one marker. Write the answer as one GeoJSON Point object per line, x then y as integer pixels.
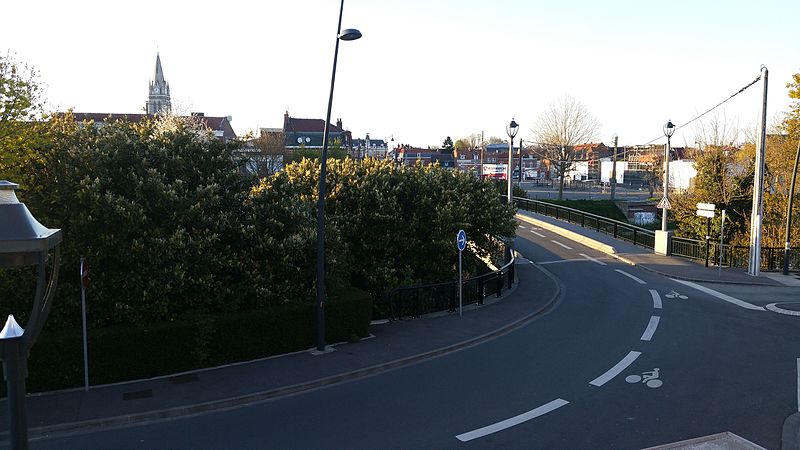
{"type": "Point", "coordinates": [158, 102]}
{"type": "Point", "coordinates": [373, 148]}
{"type": "Point", "coordinates": [309, 133]}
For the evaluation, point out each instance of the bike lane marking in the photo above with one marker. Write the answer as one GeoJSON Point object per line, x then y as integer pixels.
{"type": "Point", "coordinates": [651, 328]}
{"type": "Point", "coordinates": [656, 299]}
{"type": "Point", "coordinates": [559, 243]}
{"type": "Point", "coordinates": [721, 296]}
{"type": "Point", "coordinates": [616, 370]}
{"type": "Point", "coordinates": [632, 277]}
{"type": "Point", "coordinates": [513, 421]}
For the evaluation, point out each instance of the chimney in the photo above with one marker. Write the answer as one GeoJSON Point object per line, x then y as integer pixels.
{"type": "Point", "coordinates": [339, 123]}
{"type": "Point", "coordinates": [198, 114]}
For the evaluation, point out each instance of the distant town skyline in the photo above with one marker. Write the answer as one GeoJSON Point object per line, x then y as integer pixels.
{"type": "Point", "coordinates": [423, 70]}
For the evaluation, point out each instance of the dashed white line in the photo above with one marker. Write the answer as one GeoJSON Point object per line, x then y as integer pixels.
{"type": "Point", "coordinates": [561, 261]}
{"type": "Point", "coordinates": [616, 370]}
{"type": "Point", "coordinates": [559, 243]}
{"type": "Point", "coordinates": [516, 420]}
{"type": "Point", "coordinates": [538, 234]}
{"type": "Point", "coordinates": [721, 296]}
{"type": "Point", "coordinates": [521, 226]}
{"type": "Point", "coordinates": [651, 328]}
{"type": "Point", "coordinates": [634, 278]}
{"type": "Point", "coordinates": [593, 259]}
{"type": "Point", "coordinates": [656, 299]}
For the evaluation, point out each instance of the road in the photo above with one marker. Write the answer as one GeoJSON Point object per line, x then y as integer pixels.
{"type": "Point", "coordinates": [558, 382]}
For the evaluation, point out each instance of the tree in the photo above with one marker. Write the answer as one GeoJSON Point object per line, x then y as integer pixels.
{"type": "Point", "coordinates": [20, 105]}
{"type": "Point", "coordinates": [462, 144]}
{"type": "Point", "coordinates": [563, 125]}
{"type": "Point", "coordinates": [447, 145]}
{"type": "Point", "coordinates": [494, 140]}
{"type": "Point", "coordinates": [271, 153]}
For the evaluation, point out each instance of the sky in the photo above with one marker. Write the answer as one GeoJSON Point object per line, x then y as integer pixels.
{"type": "Point", "coordinates": [424, 69]}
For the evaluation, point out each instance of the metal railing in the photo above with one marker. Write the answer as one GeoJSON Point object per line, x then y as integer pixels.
{"type": "Point", "coordinates": [619, 230]}
{"type": "Point", "coordinates": [415, 301]}
{"type": "Point", "coordinates": [732, 255]}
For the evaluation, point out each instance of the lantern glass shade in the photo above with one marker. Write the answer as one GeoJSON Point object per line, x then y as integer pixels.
{"type": "Point", "coordinates": [669, 129]}
{"type": "Point", "coordinates": [22, 237]}
{"type": "Point", "coordinates": [512, 128]}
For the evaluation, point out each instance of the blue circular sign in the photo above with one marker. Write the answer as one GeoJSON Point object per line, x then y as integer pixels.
{"type": "Point", "coordinates": [461, 240]}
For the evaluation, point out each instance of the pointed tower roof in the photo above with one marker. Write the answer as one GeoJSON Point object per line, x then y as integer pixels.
{"type": "Point", "coordinates": [159, 75]}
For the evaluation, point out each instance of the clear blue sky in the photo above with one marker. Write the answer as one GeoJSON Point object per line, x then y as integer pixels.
{"type": "Point", "coordinates": [424, 69]}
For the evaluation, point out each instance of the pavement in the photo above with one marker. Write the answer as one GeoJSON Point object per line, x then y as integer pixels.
{"type": "Point", "coordinates": [390, 345]}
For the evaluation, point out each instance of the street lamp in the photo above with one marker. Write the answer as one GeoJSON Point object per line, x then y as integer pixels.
{"type": "Point", "coordinates": [23, 242]}
{"type": "Point", "coordinates": [511, 130]}
{"type": "Point", "coordinates": [669, 130]}
{"type": "Point", "coordinates": [349, 34]}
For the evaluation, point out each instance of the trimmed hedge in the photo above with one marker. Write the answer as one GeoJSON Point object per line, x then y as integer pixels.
{"type": "Point", "coordinates": [130, 353]}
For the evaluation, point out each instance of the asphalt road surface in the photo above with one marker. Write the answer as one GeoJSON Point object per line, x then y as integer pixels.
{"type": "Point", "coordinates": [628, 359]}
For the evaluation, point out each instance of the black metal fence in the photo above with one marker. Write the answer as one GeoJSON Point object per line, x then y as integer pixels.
{"type": "Point", "coordinates": [415, 301]}
{"type": "Point", "coordinates": [732, 255]}
{"type": "Point", "coordinates": [619, 230]}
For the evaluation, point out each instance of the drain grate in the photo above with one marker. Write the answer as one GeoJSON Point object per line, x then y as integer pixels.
{"type": "Point", "coordinates": [183, 379]}
{"type": "Point", "coordinates": [136, 395]}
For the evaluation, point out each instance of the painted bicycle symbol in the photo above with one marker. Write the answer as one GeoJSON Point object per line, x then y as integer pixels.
{"type": "Point", "coordinates": [648, 378]}
{"type": "Point", "coordinates": [673, 294]}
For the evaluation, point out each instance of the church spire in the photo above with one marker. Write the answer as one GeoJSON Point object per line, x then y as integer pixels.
{"type": "Point", "coordinates": [159, 100]}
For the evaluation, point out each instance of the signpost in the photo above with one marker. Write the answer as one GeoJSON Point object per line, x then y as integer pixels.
{"type": "Point", "coordinates": [708, 211]}
{"type": "Point", "coordinates": [721, 228]}
{"type": "Point", "coordinates": [461, 242]}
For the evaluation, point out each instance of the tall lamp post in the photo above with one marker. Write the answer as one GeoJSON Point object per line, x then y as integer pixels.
{"type": "Point", "coordinates": [346, 35]}
{"type": "Point", "coordinates": [23, 242]}
{"type": "Point", "coordinates": [669, 129]}
{"type": "Point", "coordinates": [511, 130]}
{"type": "Point", "coordinates": [788, 248]}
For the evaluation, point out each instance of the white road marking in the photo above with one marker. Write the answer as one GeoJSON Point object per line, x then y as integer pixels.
{"type": "Point", "coordinates": [559, 243]}
{"type": "Point", "coordinates": [656, 299]}
{"type": "Point", "coordinates": [634, 278]}
{"type": "Point", "coordinates": [562, 261]}
{"type": "Point", "coordinates": [593, 259]}
{"type": "Point", "coordinates": [538, 234]}
{"type": "Point", "coordinates": [774, 308]}
{"type": "Point", "coordinates": [521, 226]}
{"type": "Point", "coordinates": [616, 370]}
{"type": "Point", "coordinates": [721, 296]}
{"type": "Point", "coordinates": [651, 328]}
{"type": "Point", "coordinates": [516, 420]}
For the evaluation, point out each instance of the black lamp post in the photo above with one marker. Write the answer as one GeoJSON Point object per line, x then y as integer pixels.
{"type": "Point", "coordinates": [669, 129]}
{"type": "Point", "coordinates": [23, 242]}
{"type": "Point", "coordinates": [511, 130]}
{"type": "Point", "coordinates": [346, 35]}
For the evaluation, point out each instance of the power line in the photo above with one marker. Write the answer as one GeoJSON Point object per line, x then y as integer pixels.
{"type": "Point", "coordinates": [710, 109]}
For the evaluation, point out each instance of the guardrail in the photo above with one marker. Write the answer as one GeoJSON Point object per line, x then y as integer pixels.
{"type": "Point", "coordinates": [415, 301]}
{"type": "Point", "coordinates": [619, 230]}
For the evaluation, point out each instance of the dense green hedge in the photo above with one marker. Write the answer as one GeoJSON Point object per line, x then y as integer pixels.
{"type": "Point", "coordinates": [128, 353]}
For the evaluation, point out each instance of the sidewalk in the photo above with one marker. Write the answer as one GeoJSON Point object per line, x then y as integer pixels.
{"type": "Point", "coordinates": [669, 266]}
{"type": "Point", "coordinates": [392, 345]}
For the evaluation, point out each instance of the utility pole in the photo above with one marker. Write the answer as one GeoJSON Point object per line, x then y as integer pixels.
{"type": "Point", "coordinates": [614, 169]}
{"type": "Point", "coordinates": [754, 268]}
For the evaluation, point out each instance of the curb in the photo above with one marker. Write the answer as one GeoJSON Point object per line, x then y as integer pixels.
{"type": "Point", "coordinates": [790, 436]}
{"type": "Point", "coordinates": [698, 280]}
{"type": "Point", "coordinates": [37, 433]}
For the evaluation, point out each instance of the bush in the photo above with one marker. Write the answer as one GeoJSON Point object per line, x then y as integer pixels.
{"type": "Point", "coordinates": [128, 353]}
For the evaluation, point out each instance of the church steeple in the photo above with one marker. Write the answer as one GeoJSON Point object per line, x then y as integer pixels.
{"type": "Point", "coordinates": [159, 100]}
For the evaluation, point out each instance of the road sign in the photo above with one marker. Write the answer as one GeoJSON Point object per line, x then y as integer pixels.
{"type": "Point", "coordinates": [461, 240]}
{"type": "Point", "coordinates": [664, 203]}
{"type": "Point", "coordinates": [705, 213]}
{"type": "Point", "coordinates": [706, 206]}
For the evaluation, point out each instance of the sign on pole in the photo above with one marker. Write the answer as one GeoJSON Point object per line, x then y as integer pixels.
{"type": "Point", "coordinates": [461, 242]}
{"type": "Point", "coordinates": [664, 203]}
{"type": "Point", "coordinates": [704, 213]}
{"type": "Point", "coordinates": [706, 206]}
